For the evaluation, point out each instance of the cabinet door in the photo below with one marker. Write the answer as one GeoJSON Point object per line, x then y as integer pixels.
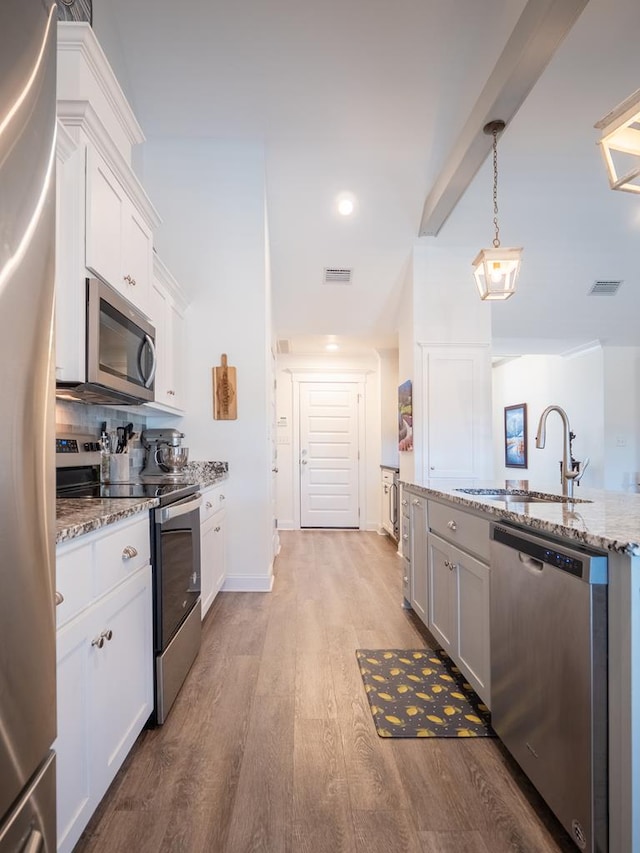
{"type": "Point", "coordinates": [137, 254]}
{"type": "Point", "coordinates": [158, 314]}
{"type": "Point", "coordinates": [76, 727]}
{"type": "Point", "coordinates": [387, 522]}
{"type": "Point", "coordinates": [443, 594]}
{"type": "Point", "coordinates": [419, 572]}
{"type": "Point", "coordinates": [213, 558]}
{"type": "Point", "coordinates": [473, 623]}
{"type": "Point", "coordinates": [121, 673]}
{"type": "Point", "coordinates": [104, 220]}
{"type": "Point", "coordinates": [175, 370]}
{"type": "Point", "coordinates": [458, 423]}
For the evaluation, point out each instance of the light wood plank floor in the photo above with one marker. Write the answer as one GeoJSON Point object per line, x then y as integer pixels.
{"type": "Point", "coordinates": [271, 746]}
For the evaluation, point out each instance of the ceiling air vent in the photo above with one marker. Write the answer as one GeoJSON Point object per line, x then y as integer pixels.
{"type": "Point", "coordinates": [337, 275]}
{"type": "Point", "coordinates": [605, 287]}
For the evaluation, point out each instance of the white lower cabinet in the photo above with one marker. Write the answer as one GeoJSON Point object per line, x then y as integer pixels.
{"type": "Point", "coordinates": [213, 549]}
{"type": "Point", "coordinates": [104, 670]}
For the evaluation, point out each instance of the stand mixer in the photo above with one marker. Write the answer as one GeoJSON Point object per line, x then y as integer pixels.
{"type": "Point", "coordinates": [164, 454]}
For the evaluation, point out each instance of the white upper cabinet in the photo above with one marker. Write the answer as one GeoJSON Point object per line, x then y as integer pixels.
{"type": "Point", "coordinates": [105, 219]}
{"type": "Point", "coordinates": [118, 241]}
{"type": "Point", "coordinates": [168, 305]}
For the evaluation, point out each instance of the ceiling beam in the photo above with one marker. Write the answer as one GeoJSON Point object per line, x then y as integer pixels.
{"type": "Point", "coordinates": [537, 35]}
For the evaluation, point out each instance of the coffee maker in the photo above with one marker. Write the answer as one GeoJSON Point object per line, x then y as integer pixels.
{"type": "Point", "coordinates": [165, 457]}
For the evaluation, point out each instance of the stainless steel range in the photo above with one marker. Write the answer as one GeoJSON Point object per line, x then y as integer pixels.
{"type": "Point", "coordinates": [175, 556]}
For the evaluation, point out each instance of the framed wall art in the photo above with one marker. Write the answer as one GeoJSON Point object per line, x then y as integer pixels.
{"type": "Point", "coordinates": [515, 436]}
{"type": "Point", "coordinates": [405, 416]}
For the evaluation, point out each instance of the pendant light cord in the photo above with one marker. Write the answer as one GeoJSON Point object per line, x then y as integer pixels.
{"type": "Point", "coordinates": [496, 239]}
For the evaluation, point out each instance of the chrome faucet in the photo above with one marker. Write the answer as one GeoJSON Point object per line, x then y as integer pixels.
{"type": "Point", "coordinates": [567, 476]}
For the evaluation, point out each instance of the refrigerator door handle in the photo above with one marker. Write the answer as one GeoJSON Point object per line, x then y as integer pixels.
{"type": "Point", "coordinates": [34, 843]}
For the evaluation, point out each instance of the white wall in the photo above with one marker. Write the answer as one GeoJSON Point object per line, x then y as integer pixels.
{"type": "Point", "coordinates": [389, 368]}
{"type": "Point", "coordinates": [213, 239]}
{"type": "Point", "coordinates": [621, 418]}
{"type": "Point", "coordinates": [576, 384]}
{"type": "Point", "coordinates": [288, 469]}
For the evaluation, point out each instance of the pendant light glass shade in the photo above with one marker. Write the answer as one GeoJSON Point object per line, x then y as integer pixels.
{"type": "Point", "coordinates": [496, 272]}
{"type": "Point", "coordinates": [620, 144]}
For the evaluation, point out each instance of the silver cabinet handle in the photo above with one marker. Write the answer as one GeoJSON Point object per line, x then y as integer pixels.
{"type": "Point", "coordinates": [415, 502]}
{"type": "Point", "coordinates": [208, 505]}
{"type": "Point", "coordinates": [274, 470]}
{"type": "Point", "coordinates": [216, 529]}
{"type": "Point", "coordinates": [451, 566]}
{"type": "Point", "coordinates": [405, 579]}
{"type": "Point", "coordinates": [59, 598]}
{"type": "Point", "coordinates": [129, 552]}
{"type": "Point", "coordinates": [130, 280]}
{"type": "Point", "coordinates": [105, 635]}
{"type": "Point", "coordinates": [386, 489]}
{"type": "Point", "coordinates": [403, 502]}
{"type": "Point", "coordinates": [303, 461]}
{"type": "Point", "coordinates": [405, 536]}
{"type": "Point", "coordinates": [222, 498]}
{"type": "Point", "coordinates": [452, 525]}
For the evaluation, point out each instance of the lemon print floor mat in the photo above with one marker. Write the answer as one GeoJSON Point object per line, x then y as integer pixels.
{"type": "Point", "coordinates": [421, 693]}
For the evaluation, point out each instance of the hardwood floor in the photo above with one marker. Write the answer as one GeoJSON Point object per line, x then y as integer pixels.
{"type": "Point", "coordinates": [271, 746]}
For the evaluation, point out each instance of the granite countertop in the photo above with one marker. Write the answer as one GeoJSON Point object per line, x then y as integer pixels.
{"type": "Point", "coordinates": [600, 519]}
{"type": "Point", "coordinates": [77, 516]}
{"type": "Point", "coordinates": [390, 468]}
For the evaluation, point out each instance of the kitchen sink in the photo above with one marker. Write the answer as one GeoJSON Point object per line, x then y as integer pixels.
{"type": "Point", "coordinates": [511, 496]}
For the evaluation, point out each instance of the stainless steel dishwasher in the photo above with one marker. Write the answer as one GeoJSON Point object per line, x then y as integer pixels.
{"type": "Point", "coordinates": [549, 673]}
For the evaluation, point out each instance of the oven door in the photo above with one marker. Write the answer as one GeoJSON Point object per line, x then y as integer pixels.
{"type": "Point", "coordinates": [120, 344]}
{"type": "Point", "coordinates": [176, 566]}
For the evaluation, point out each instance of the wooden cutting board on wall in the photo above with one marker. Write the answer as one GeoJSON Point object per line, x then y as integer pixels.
{"type": "Point", "coordinates": [225, 400]}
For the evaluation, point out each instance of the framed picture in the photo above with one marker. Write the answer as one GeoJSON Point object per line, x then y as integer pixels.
{"type": "Point", "coordinates": [515, 436]}
{"type": "Point", "coordinates": [405, 416]}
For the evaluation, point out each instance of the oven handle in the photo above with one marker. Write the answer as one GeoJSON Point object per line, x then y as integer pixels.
{"type": "Point", "coordinates": [178, 509]}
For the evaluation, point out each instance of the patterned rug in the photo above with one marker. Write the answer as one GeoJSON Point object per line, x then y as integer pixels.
{"type": "Point", "coordinates": [421, 693]}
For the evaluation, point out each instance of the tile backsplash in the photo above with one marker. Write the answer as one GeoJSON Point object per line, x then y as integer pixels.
{"type": "Point", "coordinates": [86, 420]}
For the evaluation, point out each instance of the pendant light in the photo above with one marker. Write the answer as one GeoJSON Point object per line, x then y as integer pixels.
{"type": "Point", "coordinates": [620, 144]}
{"type": "Point", "coordinates": [496, 270]}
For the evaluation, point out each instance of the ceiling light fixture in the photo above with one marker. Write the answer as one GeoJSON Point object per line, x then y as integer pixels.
{"type": "Point", "coordinates": [620, 144]}
{"type": "Point", "coordinates": [345, 203]}
{"type": "Point", "coordinates": [496, 270]}
{"type": "Point", "coordinates": [332, 347]}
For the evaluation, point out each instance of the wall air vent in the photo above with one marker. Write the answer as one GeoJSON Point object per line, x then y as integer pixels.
{"type": "Point", "coordinates": [337, 275]}
{"type": "Point", "coordinates": [605, 287]}
{"type": "Point", "coordinates": [283, 346]}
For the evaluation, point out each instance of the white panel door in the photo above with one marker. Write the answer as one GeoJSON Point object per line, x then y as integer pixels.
{"type": "Point", "coordinates": [329, 454]}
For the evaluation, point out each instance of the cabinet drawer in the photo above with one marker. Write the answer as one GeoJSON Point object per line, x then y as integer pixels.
{"type": "Point", "coordinates": [467, 531]}
{"type": "Point", "coordinates": [121, 552]}
{"type": "Point", "coordinates": [387, 477]}
{"type": "Point", "coordinates": [74, 573]}
{"type": "Point", "coordinates": [213, 500]}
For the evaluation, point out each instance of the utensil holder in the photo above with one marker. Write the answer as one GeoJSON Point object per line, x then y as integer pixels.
{"type": "Point", "coordinates": [119, 468]}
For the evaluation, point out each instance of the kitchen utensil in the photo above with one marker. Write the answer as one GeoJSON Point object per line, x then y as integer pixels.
{"type": "Point", "coordinates": [225, 402]}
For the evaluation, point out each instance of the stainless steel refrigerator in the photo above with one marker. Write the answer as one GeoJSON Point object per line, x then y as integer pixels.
{"type": "Point", "coordinates": [27, 492]}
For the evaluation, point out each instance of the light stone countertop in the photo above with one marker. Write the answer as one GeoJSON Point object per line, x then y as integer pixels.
{"type": "Point", "coordinates": [78, 516]}
{"type": "Point", "coordinates": [604, 520]}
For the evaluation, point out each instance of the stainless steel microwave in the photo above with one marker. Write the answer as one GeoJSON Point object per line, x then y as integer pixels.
{"type": "Point", "coordinates": [120, 351]}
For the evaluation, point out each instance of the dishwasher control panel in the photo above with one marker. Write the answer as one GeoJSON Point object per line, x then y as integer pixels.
{"type": "Point", "coordinates": [587, 566]}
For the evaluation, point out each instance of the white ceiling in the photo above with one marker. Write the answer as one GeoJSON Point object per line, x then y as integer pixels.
{"type": "Point", "coordinates": [367, 97]}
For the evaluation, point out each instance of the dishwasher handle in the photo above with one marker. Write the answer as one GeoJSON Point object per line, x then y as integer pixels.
{"type": "Point", "coordinates": [535, 566]}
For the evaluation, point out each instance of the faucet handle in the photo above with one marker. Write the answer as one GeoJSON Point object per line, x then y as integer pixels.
{"type": "Point", "coordinates": [583, 468]}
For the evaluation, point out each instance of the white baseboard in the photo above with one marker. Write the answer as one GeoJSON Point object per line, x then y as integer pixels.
{"type": "Point", "coordinates": [286, 525]}
{"type": "Point", "coordinates": [248, 583]}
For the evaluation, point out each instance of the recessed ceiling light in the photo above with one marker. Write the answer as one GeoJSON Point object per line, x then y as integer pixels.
{"type": "Point", "coordinates": [332, 347]}
{"type": "Point", "coordinates": [346, 204]}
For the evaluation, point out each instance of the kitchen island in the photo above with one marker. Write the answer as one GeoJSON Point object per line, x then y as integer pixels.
{"type": "Point", "coordinates": [607, 522]}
